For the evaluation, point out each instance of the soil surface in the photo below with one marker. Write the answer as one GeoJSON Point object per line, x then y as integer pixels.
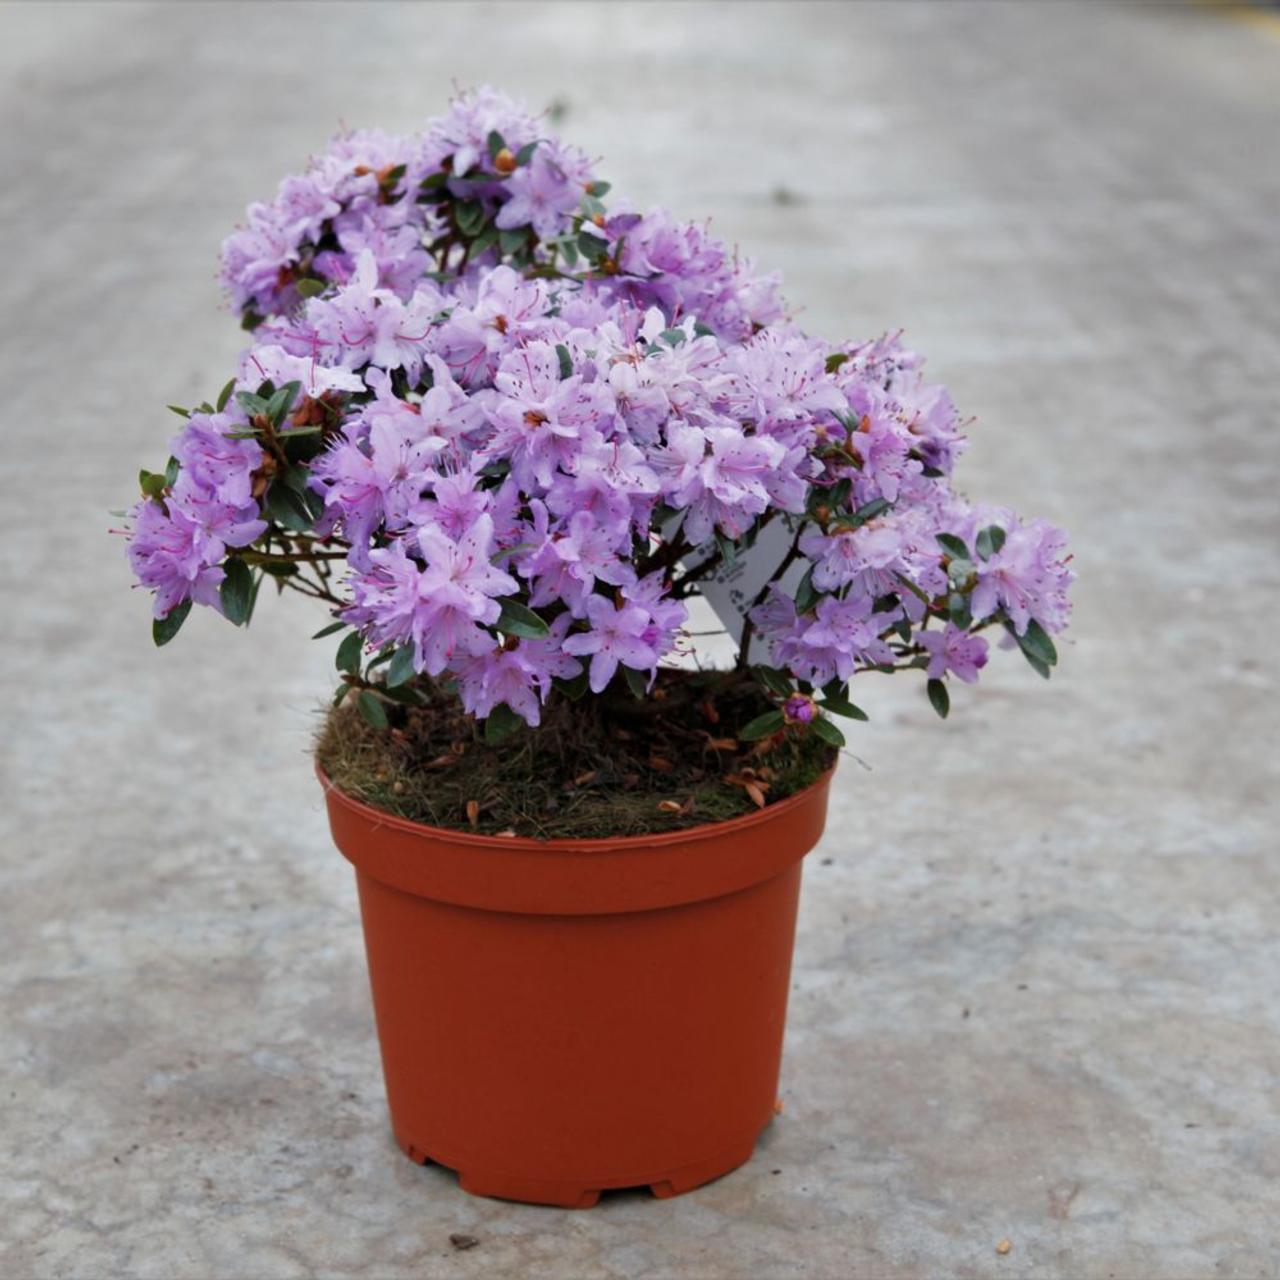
{"type": "Point", "coordinates": [595, 767]}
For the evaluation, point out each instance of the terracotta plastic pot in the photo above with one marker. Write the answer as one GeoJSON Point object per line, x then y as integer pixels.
{"type": "Point", "coordinates": [558, 1017]}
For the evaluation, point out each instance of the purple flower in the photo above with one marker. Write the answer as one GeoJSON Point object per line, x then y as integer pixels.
{"type": "Point", "coordinates": [461, 134]}
{"type": "Point", "coordinates": [488, 414]}
{"type": "Point", "coordinates": [215, 461]}
{"type": "Point", "coordinates": [545, 193]}
{"type": "Point", "coordinates": [666, 616]}
{"type": "Point", "coordinates": [540, 419]}
{"type": "Point", "coordinates": [435, 608]}
{"type": "Point", "coordinates": [518, 673]}
{"type": "Point", "coordinates": [167, 551]}
{"type": "Point", "coordinates": [616, 636]}
{"type": "Point", "coordinates": [1027, 578]}
{"type": "Point", "coordinates": [828, 645]}
{"type": "Point", "coordinates": [780, 383]}
{"type": "Point", "coordinates": [589, 552]}
{"type": "Point", "coordinates": [274, 364]}
{"type": "Point", "coordinates": [718, 476]}
{"type": "Point", "coordinates": [952, 649]}
{"type": "Point", "coordinates": [799, 709]}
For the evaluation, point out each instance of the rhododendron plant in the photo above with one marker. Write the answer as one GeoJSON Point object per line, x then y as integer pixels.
{"type": "Point", "coordinates": [505, 432]}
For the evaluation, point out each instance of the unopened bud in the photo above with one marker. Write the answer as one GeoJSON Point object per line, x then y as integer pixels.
{"type": "Point", "coordinates": [799, 709]}
{"type": "Point", "coordinates": [505, 160]}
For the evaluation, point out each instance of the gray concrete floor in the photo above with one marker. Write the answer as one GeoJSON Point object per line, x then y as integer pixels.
{"type": "Point", "coordinates": [1036, 981]}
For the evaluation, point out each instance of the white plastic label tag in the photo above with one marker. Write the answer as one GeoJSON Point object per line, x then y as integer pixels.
{"type": "Point", "coordinates": [732, 589]}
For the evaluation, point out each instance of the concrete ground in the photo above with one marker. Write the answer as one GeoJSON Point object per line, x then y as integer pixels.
{"type": "Point", "coordinates": [1036, 981]}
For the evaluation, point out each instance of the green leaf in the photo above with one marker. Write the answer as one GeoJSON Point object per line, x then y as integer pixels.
{"type": "Point", "coordinates": [372, 709]}
{"type": "Point", "coordinates": [179, 410]}
{"type": "Point", "coordinates": [775, 681]}
{"type": "Point", "coordinates": [869, 510]}
{"type": "Point", "coordinates": [827, 731]}
{"type": "Point", "coordinates": [470, 216]}
{"type": "Point", "coordinates": [601, 188]}
{"type": "Point", "coordinates": [311, 288]}
{"type": "Point", "coordinates": [990, 540]}
{"type": "Point", "coordinates": [348, 656]}
{"type": "Point", "coordinates": [1040, 668]}
{"type": "Point", "coordinates": [525, 154]}
{"type": "Point", "coordinates": [566, 361]}
{"type": "Point", "coordinates": [637, 682]}
{"type": "Point", "coordinates": [939, 697]}
{"type": "Point", "coordinates": [728, 551]}
{"type": "Point", "coordinates": [761, 727]}
{"type": "Point", "coordinates": [953, 546]}
{"type": "Point", "coordinates": [843, 707]}
{"type": "Point", "coordinates": [500, 723]}
{"type": "Point", "coordinates": [151, 484]}
{"type": "Point", "coordinates": [329, 630]}
{"type": "Point", "coordinates": [485, 240]}
{"type": "Point", "coordinates": [236, 591]}
{"type": "Point", "coordinates": [496, 143]}
{"type": "Point", "coordinates": [518, 619]}
{"type": "Point", "coordinates": [404, 694]}
{"type": "Point", "coordinates": [591, 247]}
{"type": "Point", "coordinates": [512, 238]}
{"type": "Point", "coordinates": [401, 670]}
{"type": "Point", "coordinates": [835, 360]}
{"type": "Point", "coordinates": [164, 629]}
{"type": "Point", "coordinates": [1036, 644]}
{"type": "Point", "coordinates": [282, 401]}
{"type": "Point", "coordinates": [958, 609]}
{"type": "Point", "coordinates": [672, 337]}
{"type": "Point", "coordinates": [806, 592]}
{"type": "Point", "coordinates": [225, 394]}
{"type": "Point", "coordinates": [574, 687]}
{"type": "Point", "coordinates": [171, 472]}
{"type": "Point", "coordinates": [296, 478]}
{"type": "Point", "coordinates": [250, 403]}
{"type": "Point", "coordinates": [287, 508]}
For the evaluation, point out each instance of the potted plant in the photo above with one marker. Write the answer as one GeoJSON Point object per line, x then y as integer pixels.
{"type": "Point", "coordinates": [509, 435]}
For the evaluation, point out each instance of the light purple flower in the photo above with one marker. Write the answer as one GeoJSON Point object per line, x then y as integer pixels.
{"type": "Point", "coordinates": [504, 418]}
{"type": "Point", "coordinates": [167, 554]}
{"type": "Point", "coordinates": [544, 193]}
{"type": "Point", "coordinates": [437, 606]}
{"type": "Point", "coordinates": [517, 673]}
{"type": "Point", "coordinates": [954, 650]}
{"type": "Point", "coordinates": [1027, 578]}
{"type": "Point", "coordinates": [616, 637]}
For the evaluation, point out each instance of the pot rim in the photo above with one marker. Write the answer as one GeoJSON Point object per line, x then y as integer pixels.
{"type": "Point", "coordinates": [576, 844]}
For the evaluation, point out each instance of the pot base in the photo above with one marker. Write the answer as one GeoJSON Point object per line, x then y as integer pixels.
{"type": "Point", "coordinates": [573, 1195]}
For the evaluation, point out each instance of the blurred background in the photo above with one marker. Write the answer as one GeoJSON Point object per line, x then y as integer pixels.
{"type": "Point", "coordinates": [1035, 989]}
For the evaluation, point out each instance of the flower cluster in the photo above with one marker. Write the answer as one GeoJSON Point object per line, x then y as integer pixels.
{"type": "Point", "coordinates": [531, 427]}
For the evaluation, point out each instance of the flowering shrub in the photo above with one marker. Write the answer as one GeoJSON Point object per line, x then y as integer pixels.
{"type": "Point", "coordinates": [505, 432]}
